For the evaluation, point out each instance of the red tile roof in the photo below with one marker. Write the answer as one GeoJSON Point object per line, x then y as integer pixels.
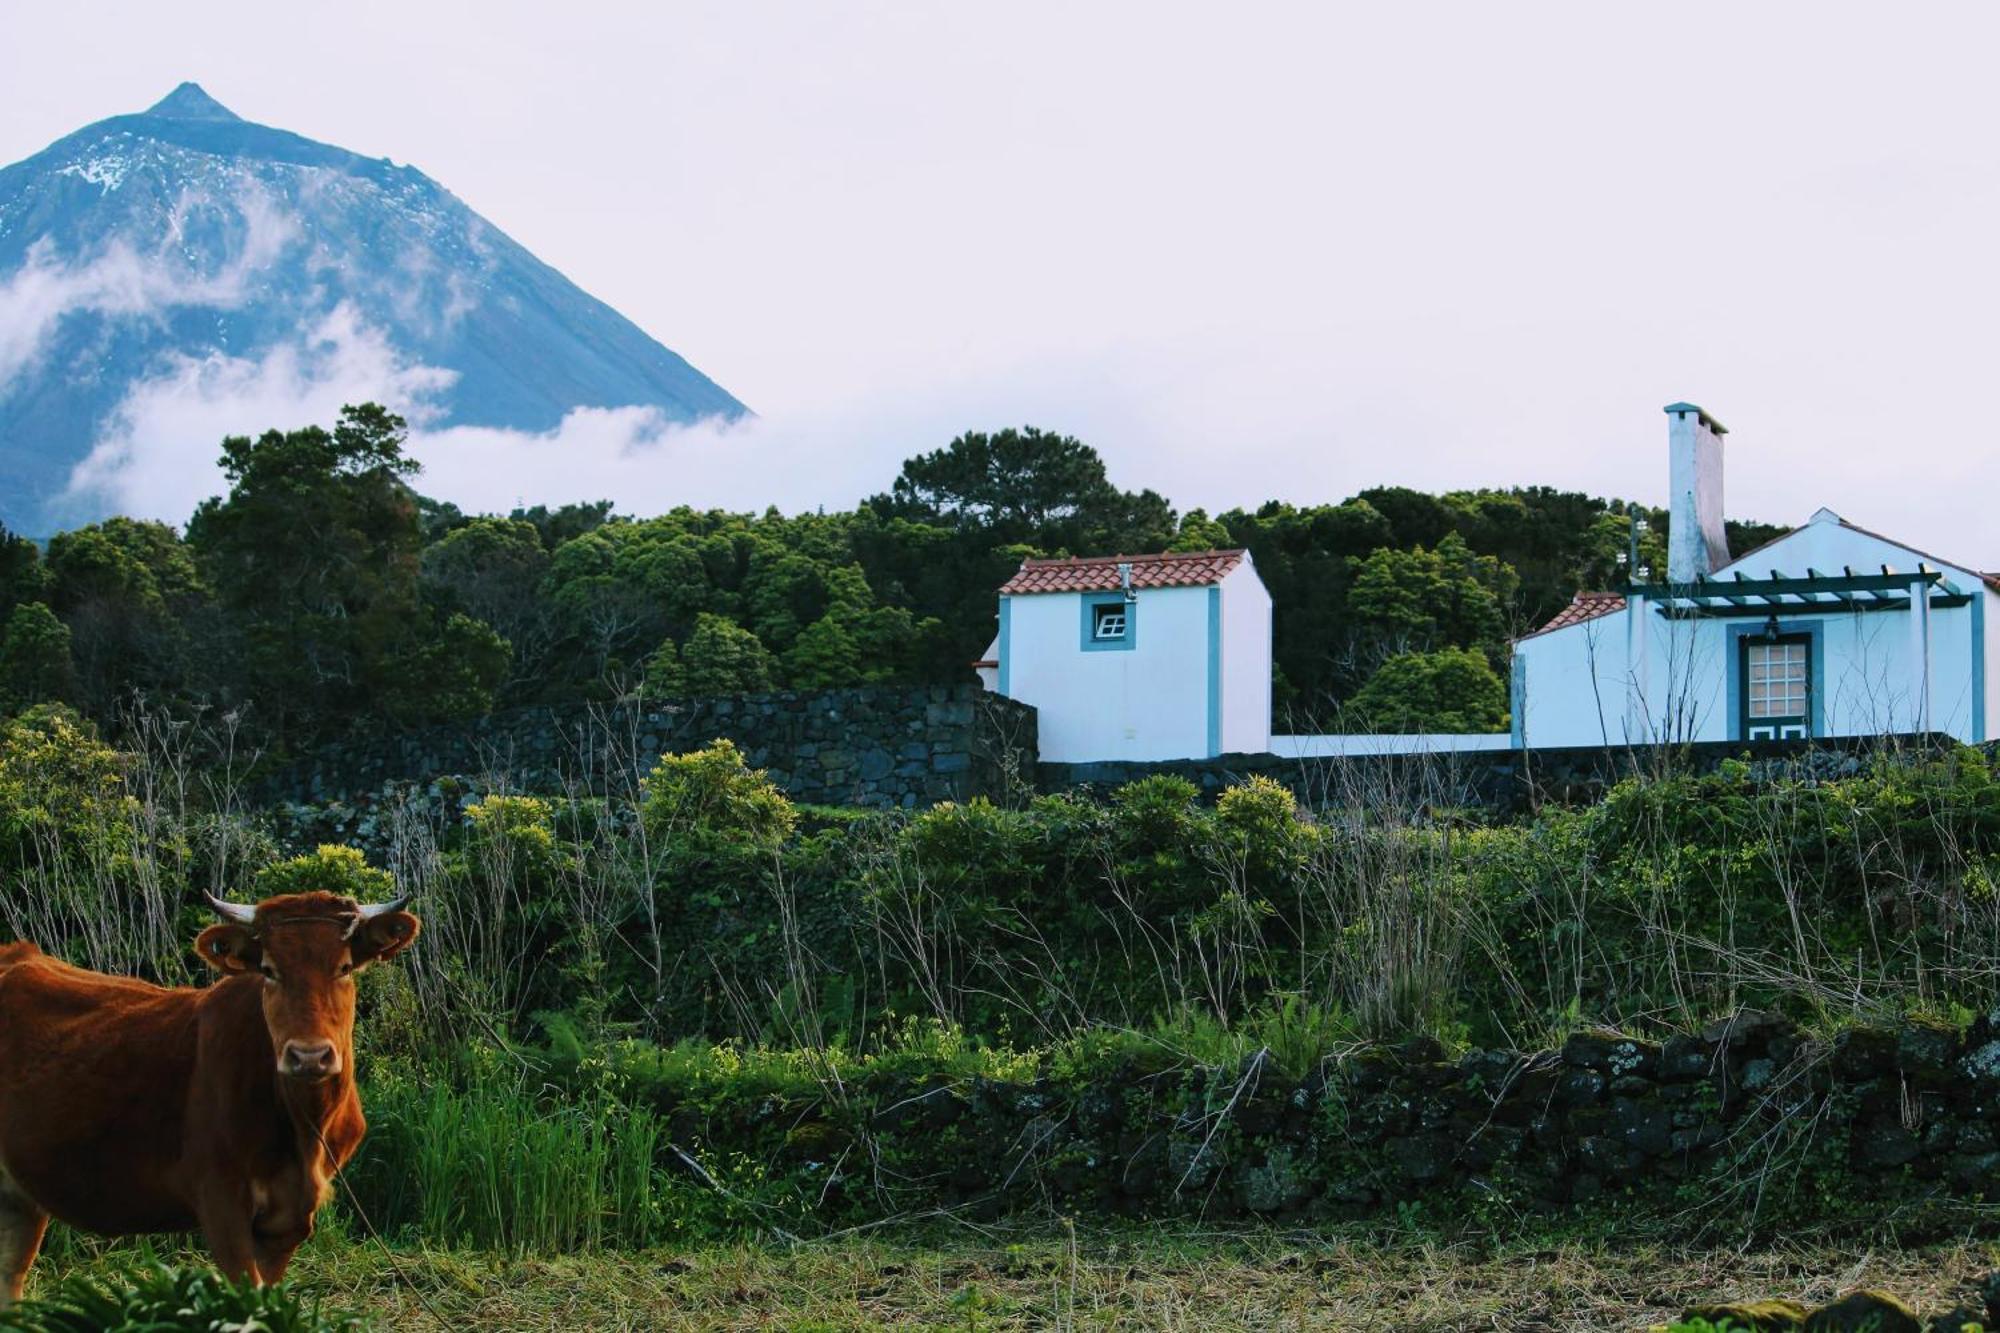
{"type": "Point", "coordinates": [1584, 606]}
{"type": "Point", "coordinates": [1099, 573]}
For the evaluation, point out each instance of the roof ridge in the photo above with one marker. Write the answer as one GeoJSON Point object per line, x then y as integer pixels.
{"type": "Point", "coordinates": [1151, 555]}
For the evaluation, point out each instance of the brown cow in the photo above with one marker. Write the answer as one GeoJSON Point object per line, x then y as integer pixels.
{"type": "Point", "coordinates": [127, 1107]}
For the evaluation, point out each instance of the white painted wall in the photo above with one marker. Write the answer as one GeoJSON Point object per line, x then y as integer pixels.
{"type": "Point", "coordinates": [1246, 661]}
{"type": "Point", "coordinates": [1150, 702]}
{"type": "Point", "coordinates": [1313, 747]}
{"type": "Point", "coordinates": [1592, 684]}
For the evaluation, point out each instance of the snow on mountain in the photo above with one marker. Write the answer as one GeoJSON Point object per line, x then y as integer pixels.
{"type": "Point", "coordinates": [173, 276]}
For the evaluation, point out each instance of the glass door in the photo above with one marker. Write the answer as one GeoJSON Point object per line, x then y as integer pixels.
{"type": "Point", "coordinates": [1777, 683]}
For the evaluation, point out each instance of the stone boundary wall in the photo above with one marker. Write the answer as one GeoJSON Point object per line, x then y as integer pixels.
{"type": "Point", "coordinates": [876, 748]}
{"type": "Point", "coordinates": [1501, 782]}
{"type": "Point", "coordinates": [1752, 1123]}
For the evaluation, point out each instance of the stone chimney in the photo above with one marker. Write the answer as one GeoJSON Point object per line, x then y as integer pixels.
{"type": "Point", "coordinates": [1696, 541]}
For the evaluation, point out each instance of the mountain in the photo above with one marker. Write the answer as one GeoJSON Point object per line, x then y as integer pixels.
{"type": "Point", "coordinates": [178, 255]}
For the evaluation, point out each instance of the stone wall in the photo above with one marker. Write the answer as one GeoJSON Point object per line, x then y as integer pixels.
{"type": "Point", "coordinates": [1751, 1124]}
{"type": "Point", "coordinates": [876, 748]}
{"type": "Point", "coordinates": [1500, 782]}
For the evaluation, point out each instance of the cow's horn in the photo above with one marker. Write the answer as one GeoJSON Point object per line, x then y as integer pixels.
{"type": "Point", "coordinates": [369, 911]}
{"type": "Point", "coordinates": [239, 913]}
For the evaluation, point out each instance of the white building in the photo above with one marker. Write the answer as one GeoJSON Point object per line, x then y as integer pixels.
{"type": "Point", "coordinates": [1829, 630]}
{"type": "Point", "coordinates": [1138, 656]}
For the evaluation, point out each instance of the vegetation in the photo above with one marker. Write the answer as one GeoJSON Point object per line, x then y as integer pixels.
{"type": "Point", "coordinates": [692, 1014]}
{"type": "Point", "coordinates": [1150, 1279]}
{"type": "Point", "coordinates": [160, 1299]}
{"type": "Point", "coordinates": [323, 595]}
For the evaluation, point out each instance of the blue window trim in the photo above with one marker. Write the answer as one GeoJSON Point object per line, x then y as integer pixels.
{"type": "Point", "coordinates": [1978, 665]}
{"type": "Point", "coordinates": [1006, 656]}
{"type": "Point", "coordinates": [1214, 672]}
{"type": "Point", "coordinates": [1517, 699]}
{"type": "Point", "coordinates": [1090, 642]}
{"type": "Point", "coordinates": [1815, 630]}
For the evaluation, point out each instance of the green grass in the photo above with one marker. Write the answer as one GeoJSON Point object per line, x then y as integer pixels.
{"type": "Point", "coordinates": [1151, 1280]}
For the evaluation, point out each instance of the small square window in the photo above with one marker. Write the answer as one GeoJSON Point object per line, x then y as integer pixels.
{"type": "Point", "coordinates": [1108, 621]}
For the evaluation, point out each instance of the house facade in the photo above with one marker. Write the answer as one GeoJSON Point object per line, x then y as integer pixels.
{"type": "Point", "coordinates": [1829, 630]}
{"type": "Point", "coordinates": [1138, 657]}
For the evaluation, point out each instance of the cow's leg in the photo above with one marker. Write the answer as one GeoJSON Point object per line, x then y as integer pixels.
{"type": "Point", "coordinates": [21, 1226]}
{"type": "Point", "coordinates": [225, 1224]}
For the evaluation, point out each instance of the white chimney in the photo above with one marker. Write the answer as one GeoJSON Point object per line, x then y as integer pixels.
{"type": "Point", "coordinates": [1696, 541]}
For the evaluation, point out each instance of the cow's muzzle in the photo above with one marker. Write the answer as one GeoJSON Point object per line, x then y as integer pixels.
{"type": "Point", "coordinates": [309, 1060]}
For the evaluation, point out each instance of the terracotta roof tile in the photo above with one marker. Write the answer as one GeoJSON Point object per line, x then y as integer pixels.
{"type": "Point", "coordinates": [1584, 606]}
{"type": "Point", "coordinates": [1099, 573]}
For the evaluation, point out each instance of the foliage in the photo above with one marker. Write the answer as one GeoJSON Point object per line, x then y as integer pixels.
{"type": "Point", "coordinates": [712, 797]}
{"type": "Point", "coordinates": [1451, 690]}
{"type": "Point", "coordinates": [63, 801]}
{"type": "Point", "coordinates": [35, 661]}
{"type": "Point", "coordinates": [322, 595]}
{"type": "Point", "coordinates": [314, 558]}
{"type": "Point", "coordinates": [130, 594]}
{"type": "Point", "coordinates": [159, 1299]}
{"type": "Point", "coordinates": [342, 871]}
{"type": "Point", "coordinates": [721, 657]}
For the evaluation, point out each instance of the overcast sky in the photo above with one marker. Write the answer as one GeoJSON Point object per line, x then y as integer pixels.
{"type": "Point", "coordinates": [1248, 251]}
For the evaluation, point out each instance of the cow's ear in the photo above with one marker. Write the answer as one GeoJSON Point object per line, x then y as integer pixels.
{"type": "Point", "coordinates": [229, 948]}
{"type": "Point", "coordinates": [384, 937]}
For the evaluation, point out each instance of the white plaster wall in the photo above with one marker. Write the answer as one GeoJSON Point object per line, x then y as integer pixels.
{"type": "Point", "coordinates": [1246, 662]}
{"type": "Point", "coordinates": [1992, 604]}
{"type": "Point", "coordinates": [1147, 703]}
{"type": "Point", "coordinates": [1581, 691]}
{"type": "Point", "coordinates": [1312, 747]}
{"type": "Point", "coordinates": [1576, 684]}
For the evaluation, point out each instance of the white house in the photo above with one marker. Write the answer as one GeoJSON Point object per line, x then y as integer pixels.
{"type": "Point", "coordinates": [1829, 630]}
{"type": "Point", "coordinates": [1138, 656]}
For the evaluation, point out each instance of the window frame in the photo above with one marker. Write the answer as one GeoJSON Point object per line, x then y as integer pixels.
{"type": "Point", "coordinates": [1125, 642]}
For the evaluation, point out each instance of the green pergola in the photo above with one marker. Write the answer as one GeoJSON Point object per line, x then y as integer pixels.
{"type": "Point", "coordinates": [1788, 594]}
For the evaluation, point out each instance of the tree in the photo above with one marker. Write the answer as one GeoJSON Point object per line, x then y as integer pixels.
{"type": "Point", "coordinates": [824, 657]}
{"type": "Point", "coordinates": [20, 571]}
{"type": "Point", "coordinates": [35, 662]}
{"type": "Point", "coordinates": [492, 570]}
{"type": "Point", "coordinates": [446, 675]}
{"type": "Point", "coordinates": [1431, 598]}
{"type": "Point", "coordinates": [1030, 485]}
{"type": "Point", "coordinates": [313, 555]}
{"type": "Point", "coordinates": [131, 594]}
{"type": "Point", "coordinates": [721, 657]}
{"type": "Point", "coordinates": [1451, 690]}
{"type": "Point", "coordinates": [1199, 532]}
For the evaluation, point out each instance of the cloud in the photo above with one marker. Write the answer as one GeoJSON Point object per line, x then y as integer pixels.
{"type": "Point", "coordinates": [120, 281]}
{"type": "Point", "coordinates": [157, 457]}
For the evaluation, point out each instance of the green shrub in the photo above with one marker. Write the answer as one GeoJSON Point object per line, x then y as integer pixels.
{"type": "Point", "coordinates": [160, 1299]}
{"type": "Point", "coordinates": [330, 869]}
{"type": "Point", "coordinates": [711, 798]}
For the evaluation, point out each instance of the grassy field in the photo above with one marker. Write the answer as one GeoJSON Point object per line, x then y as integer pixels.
{"type": "Point", "coordinates": [1156, 1279]}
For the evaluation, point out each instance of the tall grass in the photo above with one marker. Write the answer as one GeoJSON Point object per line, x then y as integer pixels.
{"type": "Point", "coordinates": [492, 1166]}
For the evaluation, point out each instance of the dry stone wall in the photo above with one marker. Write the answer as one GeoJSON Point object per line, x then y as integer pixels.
{"type": "Point", "coordinates": [873, 748]}
{"type": "Point", "coordinates": [1753, 1123]}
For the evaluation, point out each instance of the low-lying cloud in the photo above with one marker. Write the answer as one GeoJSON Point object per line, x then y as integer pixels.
{"type": "Point", "coordinates": [158, 455]}
{"type": "Point", "coordinates": [120, 281]}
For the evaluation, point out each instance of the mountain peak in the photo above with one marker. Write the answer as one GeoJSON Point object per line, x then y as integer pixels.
{"type": "Point", "coordinates": [189, 102]}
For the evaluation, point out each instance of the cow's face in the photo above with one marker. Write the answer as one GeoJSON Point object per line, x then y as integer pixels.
{"type": "Point", "coordinates": [307, 947]}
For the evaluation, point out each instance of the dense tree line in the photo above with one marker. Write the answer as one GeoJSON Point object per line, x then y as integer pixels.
{"type": "Point", "coordinates": [324, 593]}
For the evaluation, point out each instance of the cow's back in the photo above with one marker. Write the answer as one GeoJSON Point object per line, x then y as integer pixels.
{"type": "Point", "coordinates": [94, 1073]}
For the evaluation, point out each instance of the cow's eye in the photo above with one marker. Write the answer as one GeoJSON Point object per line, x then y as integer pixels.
{"type": "Point", "coordinates": [345, 968]}
{"type": "Point", "coordinates": [270, 973]}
